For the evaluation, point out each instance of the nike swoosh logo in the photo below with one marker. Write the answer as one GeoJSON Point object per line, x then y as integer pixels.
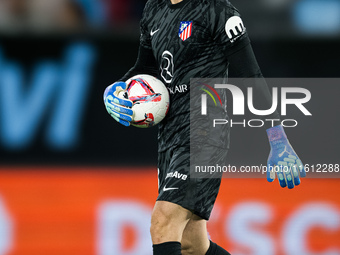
{"type": "Point", "coordinates": [153, 32]}
{"type": "Point", "coordinates": [166, 189]}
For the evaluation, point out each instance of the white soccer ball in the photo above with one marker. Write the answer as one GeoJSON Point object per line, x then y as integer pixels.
{"type": "Point", "coordinates": [150, 98]}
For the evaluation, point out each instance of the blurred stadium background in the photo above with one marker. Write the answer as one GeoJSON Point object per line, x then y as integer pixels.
{"type": "Point", "coordinates": [72, 181]}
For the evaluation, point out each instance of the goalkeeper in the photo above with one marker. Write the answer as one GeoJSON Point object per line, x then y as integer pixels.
{"type": "Point", "coordinates": [183, 39]}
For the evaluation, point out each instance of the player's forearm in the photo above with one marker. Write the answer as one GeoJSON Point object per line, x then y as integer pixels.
{"type": "Point", "coordinates": [145, 64]}
{"type": "Point", "coordinates": [245, 66]}
{"type": "Point", "coordinates": [262, 99]}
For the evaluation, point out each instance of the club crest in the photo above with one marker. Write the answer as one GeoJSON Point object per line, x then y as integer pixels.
{"type": "Point", "coordinates": [185, 30]}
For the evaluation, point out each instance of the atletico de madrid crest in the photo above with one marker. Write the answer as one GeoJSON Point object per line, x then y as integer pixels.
{"type": "Point", "coordinates": [185, 29]}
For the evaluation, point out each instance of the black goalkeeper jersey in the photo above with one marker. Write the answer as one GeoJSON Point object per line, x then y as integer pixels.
{"type": "Point", "coordinates": [191, 39]}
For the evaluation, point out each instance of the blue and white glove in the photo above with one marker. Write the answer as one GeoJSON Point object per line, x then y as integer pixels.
{"type": "Point", "coordinates": [283, 160]}
{"type": "Point", "coordinates": [117, 103]}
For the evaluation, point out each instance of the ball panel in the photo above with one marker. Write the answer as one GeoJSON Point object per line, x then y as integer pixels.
{"type": "Point", "coordinates": [150, 99]}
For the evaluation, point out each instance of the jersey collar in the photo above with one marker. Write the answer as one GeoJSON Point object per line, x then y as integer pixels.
{"type": "Point", "coordinates": [176, 6]}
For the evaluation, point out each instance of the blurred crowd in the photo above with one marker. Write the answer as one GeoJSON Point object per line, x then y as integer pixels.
{"type": "Point", "coordinates": [287, 17]}
{"type": "Point", "coordinates": [51, 15]}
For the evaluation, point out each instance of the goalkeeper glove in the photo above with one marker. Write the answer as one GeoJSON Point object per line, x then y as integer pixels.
{"type": "Point", "coordinates": [283, 160]}
{"type": "Point", "coordinates": [117, 103]}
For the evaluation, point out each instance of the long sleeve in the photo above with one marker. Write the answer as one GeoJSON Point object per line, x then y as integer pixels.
{"type": "Point", "coordinates": [244, 65]}
{"type": "Point", "coordinates": [145, 64]}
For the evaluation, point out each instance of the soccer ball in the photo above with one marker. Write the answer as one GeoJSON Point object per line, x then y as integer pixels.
{"type": "Point", "coordinates": [150, 100]}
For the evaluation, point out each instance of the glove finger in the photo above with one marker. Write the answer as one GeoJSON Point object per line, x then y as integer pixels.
{"type": "Point", "coordinates": [301, 168]}
{"type": "Point", "coordinates": [296, 165]}
{"type": "Point", "coordinates": [119, 115]}
{"type": "Point", "coordinates": [114, 90]}
{"type": "Point", "coordinates": [295, 172]}
{"type": "Point", "coordinates": [119, 109]}
{"type": "Point", "coordinates": [121, 121]}
{"type": "Point", "coordinates": [270, 172]}
{"type": "Point", "coordinates": [290, 160]}
{"type": "Point", "coordinates": [113, 99]}
{"type": "Point", "coordinates": [289, 175]}
{"type": "Point", "coordinates": [120, 87]}
{"type": "Point", "coordinates": [124, 123]}
{"type": "Point", "coordinates": [121, 84]}
{"type": "Point", "coordinates": [122, 101]}
{"type": "Point", "coordinates": [281, 174]}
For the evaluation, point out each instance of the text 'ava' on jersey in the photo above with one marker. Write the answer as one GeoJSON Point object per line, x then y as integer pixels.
{"type": "Point", "coordinates": [176, 175]}
{"type": "Point", "coordinates": [185, 30]}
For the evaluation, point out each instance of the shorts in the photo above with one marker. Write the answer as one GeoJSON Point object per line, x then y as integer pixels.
{"type": "Point", "coordinates": [175, 185]}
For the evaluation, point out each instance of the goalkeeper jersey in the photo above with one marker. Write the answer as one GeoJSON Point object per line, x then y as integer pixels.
{"type": "Point", "coordinates": [191, 39]}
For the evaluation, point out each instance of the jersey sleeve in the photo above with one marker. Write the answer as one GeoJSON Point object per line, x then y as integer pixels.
{"type": "Point", "coordinates": [228, 30]}
{"type": "Point", "coordinates": [146, 62]}
{"type": "Point", "coordinates": [145, 37]}
{"type": "Point", "coordinates": [244, 65]}
{"type": "Point", "coordinates": [230, 34]}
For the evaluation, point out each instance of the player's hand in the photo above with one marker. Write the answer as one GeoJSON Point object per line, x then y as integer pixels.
{"type": "Point", "coordinates": [117, 103]}
{"type": "Point", "coordinates": [282, 160]}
